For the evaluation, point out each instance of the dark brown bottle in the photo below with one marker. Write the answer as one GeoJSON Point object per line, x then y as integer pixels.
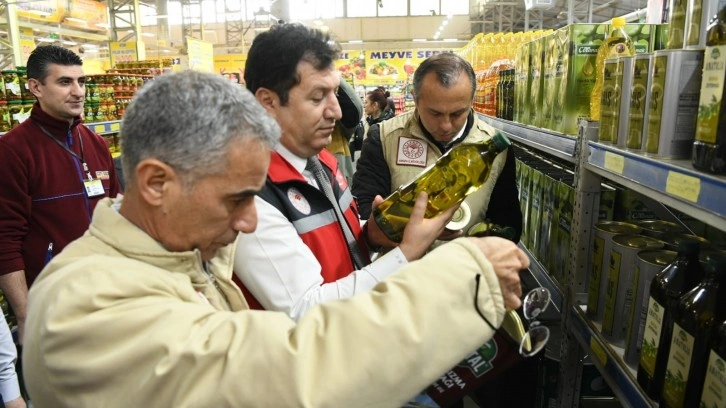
{"type": "Point", "coordinates": [682, 275]}
{"type": "Point", "coordinates": [694, 321]}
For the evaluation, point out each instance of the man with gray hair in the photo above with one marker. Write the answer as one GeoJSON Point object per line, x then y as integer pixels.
{"type": "Point", "coordinates": [141, 311]}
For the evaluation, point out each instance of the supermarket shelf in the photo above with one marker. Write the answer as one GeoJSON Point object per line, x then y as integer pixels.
{"type": "Point", "coordinates": [608, 360]}
{"type": "Point", "coordinates": [103, 128]}
{"type": "Point", "coordinates": [672, 182]}
{"type": "Point", "coordinates": [544, 279]}
{"type": "Point", "coordinates": [553, 143]}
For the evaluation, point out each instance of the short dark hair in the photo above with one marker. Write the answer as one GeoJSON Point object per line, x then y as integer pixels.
{"type": "Point", "coordinates": [274, 55]}
{"type": "Point", "coordinates": [448, 67]}
{"type": "Point", "coordinates": [43, 56]}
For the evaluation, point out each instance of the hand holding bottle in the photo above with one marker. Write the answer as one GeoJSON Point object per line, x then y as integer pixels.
{"type": "Point", "coordinates": [508, 261]}
{"type": "Point", "coordinates": [420, 232]}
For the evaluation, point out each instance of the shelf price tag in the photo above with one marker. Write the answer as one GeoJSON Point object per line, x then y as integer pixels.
{"type": "Point", "coordinates": [99, 129]}
{"type": "Point", "coordinates": [598, 352]}
{"type": "Point", "coordinates": [614, 162]}
{"type": "Point", "coordinates": [683, 186]}
{"type": "Point", "coordinates": [115, 127]}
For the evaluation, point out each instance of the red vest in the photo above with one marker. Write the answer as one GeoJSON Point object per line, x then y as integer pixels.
{"type": "Point", "coordinates": [312, 215]}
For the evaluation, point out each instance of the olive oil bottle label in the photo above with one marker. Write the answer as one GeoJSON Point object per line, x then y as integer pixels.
{"type": "Point", "coordinates": [593, 293]}
{"type": "Point", "coordinates": [714, 387]}
{"type": "Point", "coordinates": [656, 103]}
{"type": "Point", "coordinates": [611, 294]}
{"type": "Point", "coordinates": [676, 24]}
{"type": "Point", "coordinates": [709, 106]}
{"type": "Point", "coordinates": [651, 336]}
{"type": "Point", "coordinates": [679, 364]}
{"type": "Point", "coordinates": [638, 103]}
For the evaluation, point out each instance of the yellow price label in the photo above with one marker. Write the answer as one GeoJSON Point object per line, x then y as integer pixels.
{"type": "Point", "coordinates": [683, 186]}
{"type": "Point", "coordinates": [598, 351]}
{"type": "Point", "coordinates": [115, 127]}
{"type": "Point", "coordinates": [99, 129]}
{"type": "Point", "coordinates": [614, 162]}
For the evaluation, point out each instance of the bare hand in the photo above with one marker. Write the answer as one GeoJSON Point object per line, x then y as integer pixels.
{"type": "Point", "coordinates": [420, 231]}
{"type": "Point", "coordinates": [376, 236]}
{"type": "Point", "coordinates": [508, 261]}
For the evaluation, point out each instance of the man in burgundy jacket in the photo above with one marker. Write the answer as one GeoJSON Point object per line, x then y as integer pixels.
{"type": "Point", "coordinates": [53, 171]}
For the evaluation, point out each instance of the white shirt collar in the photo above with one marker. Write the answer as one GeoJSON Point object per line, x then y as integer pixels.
{"type": "Point", "coordinates": [297, 162]}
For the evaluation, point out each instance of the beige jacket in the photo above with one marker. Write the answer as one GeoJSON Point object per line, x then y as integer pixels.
{"type": "Point", "coordinates": [116, 320]}
{"type": "Point", "coordinates": [403, 135]}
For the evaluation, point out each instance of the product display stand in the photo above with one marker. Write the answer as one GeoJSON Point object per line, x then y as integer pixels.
{"type": "Point", "coordinates": [670, 182]}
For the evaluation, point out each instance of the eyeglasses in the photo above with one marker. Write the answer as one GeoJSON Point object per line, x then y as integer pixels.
{"type": "Point", "coordinates": [532, 340]}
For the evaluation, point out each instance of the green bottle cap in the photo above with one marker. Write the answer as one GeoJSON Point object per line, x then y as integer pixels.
{"type": "Point", "coordinates": [500, 141]}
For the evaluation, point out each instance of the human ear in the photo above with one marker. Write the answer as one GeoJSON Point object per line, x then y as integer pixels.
{"type": "Point", "coordinates": [155, 180]}
{"type": "Point", "coordinates": [268, 99]}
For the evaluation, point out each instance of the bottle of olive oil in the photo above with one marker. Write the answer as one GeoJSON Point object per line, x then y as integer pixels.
{"type": "Point", "coordinates": [709, 149]}
{"type": "Point", "coordinates": [714, 385]}
{"type": "Point", "coordinates": [695, 318]}
{"type": "Point", "coordinates": [617, 44]}
{"type": "Point", "coordinates": [456, 174]}
{"type": "Point", "coordinates": [489, 229]}
{"type": "Point", "coordinates": [676, 24]}
{"type": "Point", "coordinates": [682, 275]}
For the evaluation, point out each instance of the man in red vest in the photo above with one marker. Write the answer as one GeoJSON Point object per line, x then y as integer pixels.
{"type": "Point", "coordinates": [300, 254]}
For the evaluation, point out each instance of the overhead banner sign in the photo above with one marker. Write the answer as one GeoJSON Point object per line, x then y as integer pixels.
{"type": "Point", "coordinates": [382, 67]}
{"type": "Point", "coordinates": [51, 11]}
{"type": "Point", "coordinates": [87, 14]}
{"type": "Point", "coordinates": [201, 55]}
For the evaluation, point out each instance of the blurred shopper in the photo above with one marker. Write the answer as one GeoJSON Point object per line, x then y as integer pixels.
{"type": "Point", "coordinates": [9, 384]}
{"type": "Point", "coordinates": [54, 171]}
{"type": "Point", "coordinates": [351, 110]}
{"type": "Point", "coordinates": [443, 87]}
{"type": "Point", "coordinates": [308, 247]}
{"type": "Point", "coordinates": [390, 109]}
{"type": "Point", "coordinates": [141, 311]}
{"type": "Point", "coordinates": [375, 106]}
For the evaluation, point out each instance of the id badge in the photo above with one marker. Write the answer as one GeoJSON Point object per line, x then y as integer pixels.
{"type": "Point", "coordinates": [94, 188]}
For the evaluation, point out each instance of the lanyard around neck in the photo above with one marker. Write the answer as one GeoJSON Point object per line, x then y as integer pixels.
{"type": "Point", "coordinates": [81, 159]}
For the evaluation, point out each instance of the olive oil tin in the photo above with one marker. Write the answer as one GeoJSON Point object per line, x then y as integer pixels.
{"type": "Point", "coordinates": [637, 126]}
{"type": "Point", "coordinates": [674, 96]}
{"type": "Point", "coordinates": [658, 228]}
{"type": "Point", "coordinates": [600, 264]}
{"type": "Point", "coordinates": [673, 239]}
{"type": "Point", "coordinates": [608, 132]}
{"type": "Point", "coordinates": [619, 294]}
{"type": "Point", "coordinates": [650, 262]}
{"type": "Point", "coordinates": [624, 87]}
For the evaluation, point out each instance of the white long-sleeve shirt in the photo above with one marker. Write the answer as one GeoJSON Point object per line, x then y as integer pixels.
{"type": "Point", "coordinates": [282, 272]}
{"type": "Point", "coordinates": [9, 386]}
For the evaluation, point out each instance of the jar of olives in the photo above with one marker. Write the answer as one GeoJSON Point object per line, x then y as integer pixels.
{"type": "Point", "coordinates": [12, 85]}
{"type": "Point", "coordinates": [15, 112]}
{"type": "Point", "coordinates": [4, 116]}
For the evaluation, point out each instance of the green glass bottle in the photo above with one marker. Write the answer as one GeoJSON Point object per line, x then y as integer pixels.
{"type": "Point", "coordinates": [695, 319]}
{"type": "Point", "coordinates": [682, 275]}
{"type": "Point", "coordinates": [709, 148]}
{"type": "Point", "coordinates": [456, 174]}
{"type": "Point", "coordinates": [713, 393]}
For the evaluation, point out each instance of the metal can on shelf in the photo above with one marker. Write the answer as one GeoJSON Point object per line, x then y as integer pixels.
{"type": "Point", "coordinates": [673, 239]}
{"type": "Point", "coordinates": [658, 228]}
{"type": "Point", "coordinates": [619, 292]}
{"type": "Point", "coordinates": [600, 264]}
{"type": "Point", "coordinates": [674, 96]}
{"type": "Point", "coordinates": [650, 262]}
{"type": "Point", "coordinates": [637, 126]}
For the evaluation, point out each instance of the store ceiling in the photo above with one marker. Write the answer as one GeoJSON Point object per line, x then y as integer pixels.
{"type": "Point", "coordinates": [510, 15]}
